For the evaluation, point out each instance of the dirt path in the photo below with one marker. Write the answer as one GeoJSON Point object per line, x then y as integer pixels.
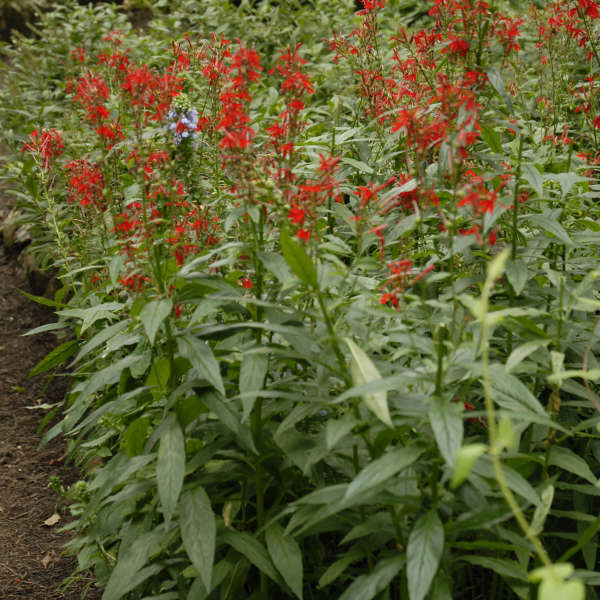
{"type": "Point", "coordinates": [31, 562]}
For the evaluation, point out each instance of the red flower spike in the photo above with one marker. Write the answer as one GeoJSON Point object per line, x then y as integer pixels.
{"type": "Point", "coordinates": [45, 144]}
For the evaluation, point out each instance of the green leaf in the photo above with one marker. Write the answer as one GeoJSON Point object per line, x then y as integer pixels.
{"type": "Point", "coordinates": [495, 267]}
{"type": "Point", "coordinates": [96, 313]}
{"type": "Point", "coordinates": [170, 465]}
{"type": "Point", "coordinates": [106, 333]}
{"type": "Point", "coordinates": [41, 299]}
{"type": "Point", "coordinates": [286, 556]}
{"type": "Point", "coordinates": [517, 274]}
{"type": "Point", "coordinates": [135, 436]}
{"type": "Point", "coordinates": [57, 357]}
{"type": "Point", "coordinates": [515, 481]}
{"type": "Point", "coordinates": [553, 589]}
{"type": "Point", "coordinates": [447, 425]}
{"type": "Point", "coordinates": [203, 360]}
{"type": "Point", "coordinates": [336, 429]}
{"type": "Point", "coordinates": [572, 463]}
{"type": "Point", "coordinates": [129, 564]}
{"type": "Point", "coordinates": [252, 376]}
{"type": "Point", "coordinates": [541, 511]}
{"type": "Point", "coordinates": [533, 177]}
{"type": "Point", "coordinates": [566, 180]}
{"type": "Point", "coordinates": [504, 567]}
{"type": "Point", "coordinates": [364, 371]}
{"type": "Point", "coordinates": [253, 550]}
{"type": "Point", "coordinates": [358, 165]}
{"type": "Point", "coordinates": [522, 352]}
{"type": "Point", "coordinates": [198, 591]}
{"type": "Point", "coordinates": [275, 263]}
{"type": "Point", "coordinates": [497, 82]}
{"type": "Point", "coordinates": [559, 571]}
{"type": "Point", "coordinates": [47, 327]}
{"type": "Point", "coordinates": [198, 531]}
{"type": "Point", "coordinates": [107, 376]}
{"type": "Point", "coordinates": [510, 393]}
{"type": "Point", "coordinates": [368, 586]}
{"type": "Point", "coordinates": [423, 554]}
{"type": "Point", "coordinates": [336, 568]}
{"type": "Point", "coordinates": [153, 314]}
{"type": "Point", "coordinates": [230, 419]}
{"type": "Point", "coordinates": [465, 459]}
{"type": "Point", "coordinates": [551, 226]}
{"type": "Point", "coordinates": [296, 257]}
{"type": "Point", "coordinates": [442, 589]}
{"type": "Point", "coordinates": [381, 469]}
{"type": "Point", "coordinates": [377, 522]}
{"type": "Point", "coordinates": [506, 433]}
{"type": "Point", "coordinates": [491, 137]}
{"type": "Point", "coordinates": [158, 378]}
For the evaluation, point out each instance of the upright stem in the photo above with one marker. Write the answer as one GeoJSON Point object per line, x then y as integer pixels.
{"type": "Point", "coordinates": [58, 233]}
{"type": "Point", "coordinates": [495, 447]}
{"type": "Point", "coordinates": [515, 213]}
{"type": "Point", "coordinates": [335, 342]}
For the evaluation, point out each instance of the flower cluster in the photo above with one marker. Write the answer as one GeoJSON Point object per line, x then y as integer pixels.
{"type": "Point", "coordinates": [44, 144]}
{"type": "Point", "coordinates": [92, 94]}
{"type": "Point", "coordinates": [234, 121]}
{"type": "Point", "coordinates": [302, 212]}
{"type": "Point", "coordinates": [86, 185]}
{"type": "Point", "coordinates": [182, 119]}
{"type": "Point", "coordinates": [296, 86]}
{"type": "Point", "coordinates": [403, 276]}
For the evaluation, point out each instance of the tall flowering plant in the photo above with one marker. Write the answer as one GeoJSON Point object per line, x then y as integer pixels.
{"type": "Point", "coordinates": [332, 302]}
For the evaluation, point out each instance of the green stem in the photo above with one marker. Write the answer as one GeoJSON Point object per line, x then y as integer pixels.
{"type": "Point", "coordinates": [439, 377]}
{"type": "Point", "coordinates": [58, 232]}
{"type": "Point", "coordinates": [495, 448]}
{"type": "Point", "coordinates": [515, 213]}
{"type": "Point", "coordinates": [335, 342]}
{"type": "Point", "coordinates": [585, 537]}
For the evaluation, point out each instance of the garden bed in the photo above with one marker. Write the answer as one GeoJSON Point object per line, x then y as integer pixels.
{"type": "Point", "coordinates": [329, 309]}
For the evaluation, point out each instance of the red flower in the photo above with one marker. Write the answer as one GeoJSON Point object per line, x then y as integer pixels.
{"type": "Point", "coordinates": [590, 8]}
{"type": "Point", "coordinates": [45, 144]}
{"type": "Point", "coordinates": [86, 184]}
{"type": "Point", "coordinates": [297, 215]}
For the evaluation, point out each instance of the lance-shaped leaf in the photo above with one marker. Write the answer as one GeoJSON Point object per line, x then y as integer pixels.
{"type": "Point", "coordinates": [364, 371]}
{"type": "Point", "coordinates": [129, 565]}
{"type": "Point", "coordinates": [203, 360]}
{"type": "Point", "coordinates": [447, 426]}
{"type": "Point", "coordinates": [381, 469]}
{"type": "Point", "coordinates": [170, 465]}
{"type": "Point", "coordinates": [252, 376]}
{"type": "Point", "coordinates": [286, 556]}
{"type": "Point", "coordinates": [423, 554]}
{"type": "Point", "coordinates": [299, 261]}
{"type": "Point", "coordinates": [153, 314]}
{"type": "Point", "coordinates": [198, 532]}
{"type": "Point", "coordinates": [368, 586]}
{"type": "Point", "coordinates": [247, 545]}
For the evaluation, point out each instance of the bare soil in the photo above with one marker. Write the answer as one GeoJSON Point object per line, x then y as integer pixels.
{"type": "Point", "coordinates": [32, 563]}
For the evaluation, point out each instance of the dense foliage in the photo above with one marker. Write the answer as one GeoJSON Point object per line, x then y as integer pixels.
{"type": "Point", "coordinates": [328, 293]}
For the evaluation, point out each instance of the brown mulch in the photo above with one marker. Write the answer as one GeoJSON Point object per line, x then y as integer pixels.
{"type": "Point", "coordinates": [32, 563]}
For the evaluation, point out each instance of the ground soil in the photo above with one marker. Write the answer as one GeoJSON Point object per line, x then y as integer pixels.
{"type": "Point", "coordinates": [32, 563]}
